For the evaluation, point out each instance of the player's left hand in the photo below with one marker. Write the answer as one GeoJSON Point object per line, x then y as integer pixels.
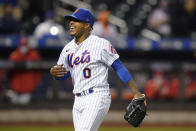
{"type": "Point", "coordinates": [136, 110]}
{"type": "Point", "coordinates": [139, 95]}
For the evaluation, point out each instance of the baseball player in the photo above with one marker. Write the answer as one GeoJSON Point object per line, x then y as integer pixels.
{"type": "Point", "coordinates": [86, 59]}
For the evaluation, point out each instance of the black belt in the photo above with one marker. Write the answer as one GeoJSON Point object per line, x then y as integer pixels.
{"type": "Point", "coordinates": [89, 91]}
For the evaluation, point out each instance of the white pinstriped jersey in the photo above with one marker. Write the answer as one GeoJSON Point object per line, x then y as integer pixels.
{"type": "Point", "coordinates": [88, 62]}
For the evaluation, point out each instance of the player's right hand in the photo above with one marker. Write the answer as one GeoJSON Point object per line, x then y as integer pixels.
{"type": "Point", "coordinates": [58, 71]}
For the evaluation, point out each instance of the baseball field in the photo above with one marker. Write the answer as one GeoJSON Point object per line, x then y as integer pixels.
{"type": "Point", "coordinates": [62, 128]}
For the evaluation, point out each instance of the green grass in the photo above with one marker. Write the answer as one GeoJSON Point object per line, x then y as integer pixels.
{"type": "Point", "coordinates": [59, 128]}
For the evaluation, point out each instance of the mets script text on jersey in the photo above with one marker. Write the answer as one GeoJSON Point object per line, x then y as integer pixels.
{"type": "Point", "coordinates": [85, 58]}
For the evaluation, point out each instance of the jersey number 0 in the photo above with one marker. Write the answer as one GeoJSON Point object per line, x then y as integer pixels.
{"type": "Point", "coordinates": [87, 73]}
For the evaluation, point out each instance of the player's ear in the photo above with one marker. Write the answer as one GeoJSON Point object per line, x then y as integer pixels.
{"type": "Point", "coordinates": [87, 25]}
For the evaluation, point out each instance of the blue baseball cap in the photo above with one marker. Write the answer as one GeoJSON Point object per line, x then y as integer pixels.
{"type": "Point", "coordinates": [83, 15]}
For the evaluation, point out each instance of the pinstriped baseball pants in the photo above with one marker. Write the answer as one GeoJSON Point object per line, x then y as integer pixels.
{"type": "Point", "coordinates": [90, 110]}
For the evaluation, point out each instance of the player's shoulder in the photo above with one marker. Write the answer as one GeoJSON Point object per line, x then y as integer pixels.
{"type": "Point", "coordinates": [98, 40]}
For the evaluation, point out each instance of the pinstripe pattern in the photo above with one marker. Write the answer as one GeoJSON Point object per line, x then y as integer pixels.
{"type": "Point", "coordinates": [100, 58]}
{"type": "Point", "coordinates": [89, 111]}
{"type": "Point", "coordinates": [88, 64]}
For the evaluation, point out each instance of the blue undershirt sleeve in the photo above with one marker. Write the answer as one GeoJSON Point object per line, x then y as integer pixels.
{"type": "Point", "coordinates": [121, 70]}
{"type": "Point", "coordinates": [65, 77]}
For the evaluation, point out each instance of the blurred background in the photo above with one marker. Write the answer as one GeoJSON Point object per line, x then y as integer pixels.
{"type": "Point", "coordinates": [156, 40]}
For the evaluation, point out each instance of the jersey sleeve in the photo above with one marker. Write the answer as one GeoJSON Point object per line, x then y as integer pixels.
{"type": "Point", "coordinates": [108, 54]}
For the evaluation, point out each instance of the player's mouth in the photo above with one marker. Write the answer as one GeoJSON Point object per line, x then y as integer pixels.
{"type": "Point", "coordinates": [71, 28]}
